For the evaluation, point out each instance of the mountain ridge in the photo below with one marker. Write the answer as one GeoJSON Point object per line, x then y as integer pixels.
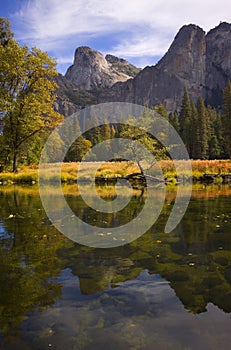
{"type": "Point", "coordinates": [197, 61]}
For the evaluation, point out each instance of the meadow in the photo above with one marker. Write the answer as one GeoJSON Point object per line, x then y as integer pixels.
{"type": "Point", "coordinates": [85, 171]}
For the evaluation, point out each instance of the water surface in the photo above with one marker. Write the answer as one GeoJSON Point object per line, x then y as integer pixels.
{"type": "Point", "coordinates": [162, 291]}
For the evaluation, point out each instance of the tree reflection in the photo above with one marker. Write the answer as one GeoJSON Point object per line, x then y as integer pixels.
{"type": "Point", "coordinates": [195, 258]}
{"type": "Point", "coordinates": [28, 263]}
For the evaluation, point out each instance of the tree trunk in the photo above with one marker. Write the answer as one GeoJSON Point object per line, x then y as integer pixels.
{"type": "Point", "coordinates": [15, 162]}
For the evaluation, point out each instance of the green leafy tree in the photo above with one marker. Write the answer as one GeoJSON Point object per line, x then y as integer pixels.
{"type": "Point", "coordinates": [137, 131]}
{"type": "Point", "coordinates": [26, 97]}
{"type": "Point", "coordinates": [78, 149]}
{"type": "Point", "coordinates": [5, 31]}
{"type": "Point", "coordinates": [80, 146]}
{"type": "Point", "coordinates": [106, 130]}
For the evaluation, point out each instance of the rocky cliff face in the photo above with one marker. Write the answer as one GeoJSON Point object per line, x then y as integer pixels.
{"type": "Point", "coordinates": [195, 61]}
{"type": "Point", "coordinates": [92, 70]}
{"type": "Point", "coordinates": [122, 66]}
{"type": "Point", "coordinates": [183, 66]}
{"type": "Point", "coordinates": [185, 61]}
{"type": "Point", "coordinates": [218, 61]}
{"type": "Point", "coordinates": [63, 103]}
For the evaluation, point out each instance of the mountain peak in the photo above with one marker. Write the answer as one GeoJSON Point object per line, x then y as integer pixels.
{"type": "Point", "coordinates": [196, 61]}
{"type": "Point", "coordinates": [92, 70]}
{"type": "Point", "coordinates": [190, 28]}
{"type": "Point", "coordinates": [221, 27]}
{"type": "Point", "coordinates": [87, 55]}
{"type": "Point", "coordinates": [187, 33]}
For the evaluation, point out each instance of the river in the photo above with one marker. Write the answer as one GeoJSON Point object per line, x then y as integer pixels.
{"type": "Point", "coordinates": [161, 291]}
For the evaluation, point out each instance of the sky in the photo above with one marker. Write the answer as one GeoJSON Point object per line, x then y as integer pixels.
{"type": "Point", "coordinates": [140, 31]}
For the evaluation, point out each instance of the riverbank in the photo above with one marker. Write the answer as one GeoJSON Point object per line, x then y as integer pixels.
{"type": "Point", "coordinates": [217, 171]}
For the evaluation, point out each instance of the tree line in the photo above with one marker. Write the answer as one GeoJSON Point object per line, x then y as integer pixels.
{"type": "Point", "coordinates": [27, 116]}
{"type": "Point", "coordinates": [205, 131]}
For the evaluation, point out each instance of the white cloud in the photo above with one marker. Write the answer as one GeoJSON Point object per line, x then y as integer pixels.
{"type": "Point", "coordinates": [144, 28]}
{"type": "Point", "coordinates": [148, 44]}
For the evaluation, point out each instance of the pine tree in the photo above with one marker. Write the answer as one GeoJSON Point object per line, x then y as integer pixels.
{"type": "Point", "coordinates": [174, 121]}
{"type": "Point", "coordinates": [226, 116]}
{"type": "Point", "coordinates": [202, 129]}
{"type": "Point", "coordinates": [213, 142]}
{"type": "Point", "coordinates": [194, 137]}
{"type": "Point", "coordinates": [218, 127]}
{"type": "Point", "coordinates": [94, 133]}
{"type": "Point", "coordinates": [185, 119]}
{"type": "Point", "coordinates": [160, 109]}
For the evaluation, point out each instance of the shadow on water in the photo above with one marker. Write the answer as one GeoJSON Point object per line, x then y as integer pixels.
{"type": "Point", "coordinates": [166, 288]}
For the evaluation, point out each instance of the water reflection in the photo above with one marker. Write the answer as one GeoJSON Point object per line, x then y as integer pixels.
{"type": "Point", "coordinates": [126, 296]}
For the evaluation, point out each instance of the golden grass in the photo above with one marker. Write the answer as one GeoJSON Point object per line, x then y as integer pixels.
{"type": "Point", "coordinates": [88, 170]}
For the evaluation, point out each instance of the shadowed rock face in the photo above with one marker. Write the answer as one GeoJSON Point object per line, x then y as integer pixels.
{"type": "Point", "coordinates": [92, 70]}
{"type": "Point", "coordinates": [185, 63]}
{"type": "Point", "coordinates": [63, 104]}
{"type": "Point", "coordinates": [183, 66]}
{"type": "Point", "coordinates": [196, 61]}
{"type": "Point", "coordinates": [218, 61]}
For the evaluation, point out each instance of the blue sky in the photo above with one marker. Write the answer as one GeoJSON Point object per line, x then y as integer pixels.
{"type": "Point", "coordinates": [137, 30]}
